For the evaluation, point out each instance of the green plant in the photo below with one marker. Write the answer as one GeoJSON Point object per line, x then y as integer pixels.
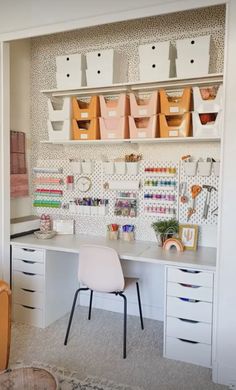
{"type": "Point", "coordinates": [165, 229]}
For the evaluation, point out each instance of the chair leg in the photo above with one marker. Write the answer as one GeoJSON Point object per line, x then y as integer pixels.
{"type": "Point", "coordinates": [139, 305]}
{"type": "Point", "coordinates": [90, 304]}
{"type": "Point", "coordinates": [125, 325]}
{"type": "Point", "coordinates": [72, 313]}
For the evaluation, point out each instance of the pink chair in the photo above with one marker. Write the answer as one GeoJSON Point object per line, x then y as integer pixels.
{"type": "Point", "coordinates": [100, 270]}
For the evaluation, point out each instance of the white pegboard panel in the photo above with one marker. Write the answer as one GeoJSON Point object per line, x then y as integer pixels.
{"type": "Point", "coordinates": [196, 218]}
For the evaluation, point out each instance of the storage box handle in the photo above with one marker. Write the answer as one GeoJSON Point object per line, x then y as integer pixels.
{"type": "Point", "coordinates": [189, 341]}
{"type": "Point", "coordinates": [28, 290]}
{"type": "Point", "coordinates": [29, 262]}
{"type": "Point", "coordinates": [28, 273]}
{"type": "Point", "coordinates": [189, 300]}
{"type": "Point", "coordinates": [28, 250]}
{"type": "Point", "coordinates": [28, 307]}
{"type": "Point", "coordinates": [188, 285]}
{"type": "Point", "coordinates": [189, 271]}
{"type": "Point", "coordinates": [189, 321]}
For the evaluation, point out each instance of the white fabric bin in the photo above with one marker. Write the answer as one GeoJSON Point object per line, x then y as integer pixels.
{"type": "Point", "coordinates": [101, 58]}
{"type": "Point", "coordinates": [207, 106]}
{"type": "Point", "coordinates": [154, 71]}
{"type": "Point", "coordinates": [208, 130]}
{"type": "Point", "coordinates": [59, 108]}
{"type": "Point", "coordinates": [59, 130]}
{"type": "Point", "coordinates": [154, 51]}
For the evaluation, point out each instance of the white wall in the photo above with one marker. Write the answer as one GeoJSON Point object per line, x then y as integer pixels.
{"type": "Point", "coordinates": [20, 73]}
{"type": "Point", "coordinates": [224, 369]}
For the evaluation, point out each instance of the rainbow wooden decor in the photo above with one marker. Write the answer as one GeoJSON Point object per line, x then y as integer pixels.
{"type": "Point", "coordinates": [173, 242]}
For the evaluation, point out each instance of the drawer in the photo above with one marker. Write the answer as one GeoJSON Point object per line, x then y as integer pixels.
{"type": "Point", "coordinates": [28, 266]}
{"type": "Point", "coordinates": [28, 253]}
{"type": "Point", "coordinates": [188, 329]}
{"type": "Point", "coordinates": [28, 297]}
{"type": "Point", "coordinates": [28, 315]}
{"type": "Point", "coordinates": [186, 351]}
{"type": "Point", "coordinates": [189, 291]}
{"type": "Point", "coordinates": [28, 281]}
{"type": "Point", "coordinates": [190, 276]}
{"type": "Point", "coordinates": [190, 310]}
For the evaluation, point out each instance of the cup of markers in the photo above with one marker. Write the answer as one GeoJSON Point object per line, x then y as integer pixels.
{"type": "Point", "coordinates": [113, 231]}
{"type": "Point", "coordinates": [127, 232]}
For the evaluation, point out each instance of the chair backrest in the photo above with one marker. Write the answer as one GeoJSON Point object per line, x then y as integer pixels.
{"type": "Point", "coordinates": [100, 268]}
{"type": "Point", "coordinates": [5, 324]}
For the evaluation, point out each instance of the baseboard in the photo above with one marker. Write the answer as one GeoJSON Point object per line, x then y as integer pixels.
{"type": "Point", "coordinates": [113, 303]}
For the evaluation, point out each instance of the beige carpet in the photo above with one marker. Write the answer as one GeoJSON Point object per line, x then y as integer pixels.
{"type": "Point", "coordinates": [95, 349]}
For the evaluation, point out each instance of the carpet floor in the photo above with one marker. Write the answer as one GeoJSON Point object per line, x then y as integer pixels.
{"type": "Point", "coordinates": [95, 349]}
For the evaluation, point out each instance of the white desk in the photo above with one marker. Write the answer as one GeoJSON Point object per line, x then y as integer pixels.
{"type": "Point", "coordinates": [45, 279]}
{"type": "Point", "coordinates": [142, 251]}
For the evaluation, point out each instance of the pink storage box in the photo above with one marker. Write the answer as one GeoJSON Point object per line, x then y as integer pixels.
{"type": "Point", "coordinates": [143, 107]}
{"type": "Point", "coordinates": [143, 127]}
{"type": "Point", "coordinates": [114, 128]}
{"type": "Point", "coordinates": [114, 108]}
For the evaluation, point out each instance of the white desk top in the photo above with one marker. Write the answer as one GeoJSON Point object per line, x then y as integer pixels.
{"type": "Point", "coordinates": [143, 251]}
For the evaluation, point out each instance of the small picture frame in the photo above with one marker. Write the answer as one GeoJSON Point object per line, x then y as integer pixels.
{"type": "Point", "coordinates": [189, 235]}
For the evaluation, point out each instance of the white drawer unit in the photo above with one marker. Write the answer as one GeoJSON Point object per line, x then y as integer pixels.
{"type": "Point", "coordinates": [37, 279]}
{"type": "Point", "coordinates": [189, 291]}
{"type": "Point", "coordinates": [190, 276]}
{"type": "Point", "coordinates": [28, 314]}
{"type": "Point", "coordinates": [26, 253]}
{"type": "Point", "coordinates": [30, 266]}
{"type": "Point", "coordinates": [188, 351]}
{"type": "Point", "coordinates": [188, 315]}
{"type": "Point", "coordinates": [28, 297]}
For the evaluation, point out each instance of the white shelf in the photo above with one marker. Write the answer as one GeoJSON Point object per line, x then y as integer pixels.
{"type": "Point", "coordinates": [133, 141]}
{"type": "Point", "coordinates": [172, 83]}
{"type": "Point", "coordinates": [160, 215]}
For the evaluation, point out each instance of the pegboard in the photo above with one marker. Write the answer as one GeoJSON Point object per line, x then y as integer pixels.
{"type": "Point", "coordinates": [197, 218]}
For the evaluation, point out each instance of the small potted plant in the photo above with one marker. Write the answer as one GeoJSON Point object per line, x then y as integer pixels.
{"type": "Point", "coordinates": [165, 229]}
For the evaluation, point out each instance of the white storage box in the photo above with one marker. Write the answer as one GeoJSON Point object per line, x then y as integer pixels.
{"type": "Point", "coordinates": [59, 108]}
{"type": "Point", "coordinates": [207, 106]}
{"type": "Point", "coordinates": [120, 167]}
{"type": "Point", "coordinates": [69, 63]}
{"type": "Point", "coordinates": [154, 71]}
{"type": "Point", "coordinates": [59, 130]}
{"type": "Point", "coordinates": [207, 130]}
{"type": "Point", "coordinates": [75, 167]}
{"type": "Point", "coordinates": [195, 66]}
{"type": "Point", "coordinates": [154, 51]}
{"type": "Point", "coordinates": [132, 168]}
{"type": "Point", "coordinates": [87, 167]}
{"type": "Point", "coordinates": [70, 80]}
{"type": "Point", "coordinates": [204, 168]}
{"type": "Point", "coordinates": [101, 58]}
{"type": "Point", "coordinates": [105, 75]}
{"type": "Point", "coordinates": [190, 168]}
{"type": "Point", "coordinates": [108, 167]}
{"type": "Point", "coordinates": [196, 46]}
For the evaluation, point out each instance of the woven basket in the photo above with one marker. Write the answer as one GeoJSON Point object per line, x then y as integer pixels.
{"type": "Point", "coordinates": [45, 235]}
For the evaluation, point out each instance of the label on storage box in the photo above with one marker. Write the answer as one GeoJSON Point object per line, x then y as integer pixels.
{"type": "Point", "coordinates": [143, 112]}
{"type": "Point", "coordinates": [173, 133]}
{"type": "Point", "coordinates": [142, 134]}
{"type": "Point", "coordinates": [174, 109]}
{"type": "Point", "coordinates": [84, 114]}
{"type": "Point", "coordinates": [84, 136]}
{"type": "Point", "coordinates": [111, 135]}
{"type": "Point", "coordinates": [112, 113]}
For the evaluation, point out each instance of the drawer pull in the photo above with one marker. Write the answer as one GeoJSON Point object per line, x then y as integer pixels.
{"type": "Point", "coordinates": [188, 285]}
{"type": "Point", "coordinates": [29, 262]}
{"type": "Point", "coordinates": [188, 341]}
{"type": "Point", "coordinates": [28, 290]}
{"type": "Point", "coordinates": [190, 271]}
{"type": "Point", "coordinates": [28, 250]}
{"type": "Point", "coordinates": [28, 273]}
{"type": "Point", "coordinates": [189, 300]}
{"type": "Point", "coordinates": [189, 321]}
{"type": "Point", "coordinates": [28, 307]}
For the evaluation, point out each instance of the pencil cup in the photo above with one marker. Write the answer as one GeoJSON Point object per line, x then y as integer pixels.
{"type": "Point", "coordinates": [112, 235]}
{"type": "Point", "coordinates": [128, 236]}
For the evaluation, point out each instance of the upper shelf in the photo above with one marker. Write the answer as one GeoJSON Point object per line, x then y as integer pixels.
{"type": "Point", "coordinates": [134, 141]}
{"type": "Point", "coordinates": [173, 83]}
